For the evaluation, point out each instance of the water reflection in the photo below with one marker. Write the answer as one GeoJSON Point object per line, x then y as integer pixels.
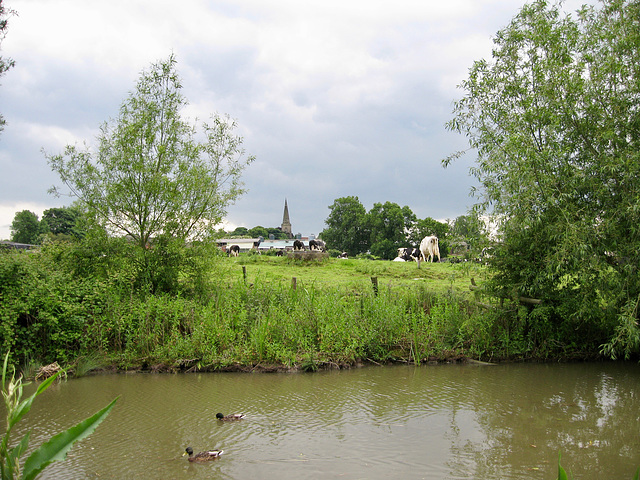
{"type": "Point", "coordinates": [436, 422]}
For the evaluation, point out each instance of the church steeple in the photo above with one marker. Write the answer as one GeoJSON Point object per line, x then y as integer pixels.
{"type": "Point", "coordinates": [286, 223]}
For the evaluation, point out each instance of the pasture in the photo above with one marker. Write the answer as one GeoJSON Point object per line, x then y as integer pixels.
{"type": "Point", "coordinates": [353, 274]}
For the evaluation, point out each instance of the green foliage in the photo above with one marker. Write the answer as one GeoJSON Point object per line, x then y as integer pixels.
{"type": "Point", "coordinates": [553, 117]}
{"type": "Point", "coordinates": [92, 299]}
{"type": "Point", "coordinates": [240, 232]}
{"type": "Point", "coordinates": [55, 299]}
{"type": "Point", "coordinates": [151, 174]}
{"type": "Point", "coordinates": [63, 223]}
{"type": "Point", "coordinates": [42, 313]}
{"type": "Point", "coordinates": [257, 232]}
{"type": "Point", "coordinates": [26, 228]}
{"type": "Point", "coordinates": [347, 229]}
{"type": "Point", "coordinates": [381, 231]}
{"type": "Point", "coordinates": [387, 224]}
{"type": "Point", "coordinates": [53, 450]}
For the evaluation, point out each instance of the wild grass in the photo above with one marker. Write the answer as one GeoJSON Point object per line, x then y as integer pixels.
{"type": "Point", "coordinates": [245, 311]}
{"type": "Point", "coordinates": [267, 323]}
{"type": "Point", "coordinates": [88, 363]}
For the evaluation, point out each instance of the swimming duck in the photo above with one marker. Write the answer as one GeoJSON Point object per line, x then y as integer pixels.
{"type": "Point", "coordinates": [202, 456]}
{"type": "Point", "coordinates": [229, 418]}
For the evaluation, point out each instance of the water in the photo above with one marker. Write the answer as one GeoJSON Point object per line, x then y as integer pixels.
{"type": "Point", "coordinates": [432, 422]}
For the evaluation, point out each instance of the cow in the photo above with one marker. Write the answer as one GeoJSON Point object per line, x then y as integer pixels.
{"type": "Point", "coordinates": [279, 253]}
{"type": "Point", "coordinates": [429, 248]}
{"type": "Point", "coordinates": [234, 250]}
{"type": "Point", "coordinates": [343, 256]}
{"type": "Point", "coordinates": [298, 245]}
{"type": "Point", "coordinates": [408, 254]}
{"type": "Point", "coordinates": [317, 245]}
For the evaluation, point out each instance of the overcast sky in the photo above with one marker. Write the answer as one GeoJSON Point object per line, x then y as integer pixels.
{"type": "Point", "coordinates": [334, 98]}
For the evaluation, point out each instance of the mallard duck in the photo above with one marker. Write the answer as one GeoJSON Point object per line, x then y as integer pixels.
{"type": "Point", "coordinates": [229, 418]}
{"type": "Point", "coordinates": [202, 456]}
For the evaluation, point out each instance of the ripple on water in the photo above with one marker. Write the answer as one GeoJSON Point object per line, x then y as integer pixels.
{"type": "Point", "coordinates": [378, 423]}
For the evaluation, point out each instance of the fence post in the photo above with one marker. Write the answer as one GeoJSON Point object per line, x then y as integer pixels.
{"type": "Point", "coordinates": [374, 282]}
{"type": "Point", "coordinates": [293, 282]}
{"type": "Point", "coordinates": [244, 273]}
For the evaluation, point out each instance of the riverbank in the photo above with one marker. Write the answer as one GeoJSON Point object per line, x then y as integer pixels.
{"type": "Point", "coordinates": [87, 310]}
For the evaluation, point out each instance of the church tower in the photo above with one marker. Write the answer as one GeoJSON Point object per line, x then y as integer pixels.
{"type": "Point", "coordinates": [286, 223]}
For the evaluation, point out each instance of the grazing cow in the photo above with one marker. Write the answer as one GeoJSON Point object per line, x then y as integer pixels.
{"type": "Point", "coordinates": [429, 248]}
{"type": "Point", "coordinates": [343, 256]}
{"type": "Point", "coordinates": [298, 245]}
{"type": "Point", "coordinates": [234, 250]}
{"type": "Point", "coordinates": [408, 254]}
{"type": "Point", "coordinates": [317, 245]}
{"type": "Point", "coordinates": [279, 253]}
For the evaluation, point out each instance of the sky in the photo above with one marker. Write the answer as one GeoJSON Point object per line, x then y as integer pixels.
{"type": "Point", "coordinates": [333, 98]}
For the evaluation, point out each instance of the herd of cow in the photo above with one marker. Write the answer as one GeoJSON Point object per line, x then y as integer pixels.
{"type": "Point", "coordinates": [428, 249]}
{"type": "Point", "coordinates": [314, 246]}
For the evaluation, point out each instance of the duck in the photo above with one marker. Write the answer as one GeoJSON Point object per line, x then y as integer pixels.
{"type": "Point", "coordinates": [202, 456]}
{"type": "Point", "coordinates": [230, 418]}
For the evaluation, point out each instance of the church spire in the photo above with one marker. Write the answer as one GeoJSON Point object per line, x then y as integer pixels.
{"type": "Point", "coordinates": [286, 223]}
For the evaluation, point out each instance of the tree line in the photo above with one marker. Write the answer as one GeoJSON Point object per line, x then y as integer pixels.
{"type": "Point", "coordinates": [387, 227]}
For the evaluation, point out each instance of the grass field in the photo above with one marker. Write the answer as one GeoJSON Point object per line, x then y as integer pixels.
{"type": "Point", "coordinates": [353, 274]}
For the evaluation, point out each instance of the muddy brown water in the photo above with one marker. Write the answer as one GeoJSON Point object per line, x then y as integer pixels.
{"type": "Point", "coordinates": [392, 422]}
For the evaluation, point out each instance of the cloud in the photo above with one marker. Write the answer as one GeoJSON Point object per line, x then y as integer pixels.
{"type": "Point", "coordinates": [334, 98]}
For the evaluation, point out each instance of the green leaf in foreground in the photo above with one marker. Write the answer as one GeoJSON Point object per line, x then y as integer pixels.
{"type": "Point", "coordinates": [57, 447]}
{"type": "Point", "coordinates": [562, 475]}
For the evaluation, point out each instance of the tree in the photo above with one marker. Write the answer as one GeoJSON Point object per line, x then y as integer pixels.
{"type": "Point", "coordinates": [554, 119]}
{"type": "Point", "coordinates": [388, 226]}
{"type": "Point", "coordinates": [153, 173]}
{"type": "Point", "coordinates": [5, 63]}
{"type": "Point", "coordinates": [471, 230]}
{"type": "Point", "coordinates": [277, 233]}
{"type": "Point", "coordinates": [240, 232]}
{"type": "Point", "coordinates": [61, 221]}
{"type": "Point", "coordinates": [259, 231]}
{"type": "Point", "coordinates": [25, 228]}
{"type": "Point", "coordinates": [347, 229]}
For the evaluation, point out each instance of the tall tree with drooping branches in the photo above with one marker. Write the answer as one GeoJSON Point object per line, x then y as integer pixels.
{"type": "Point", "coordinates": [554, 117]}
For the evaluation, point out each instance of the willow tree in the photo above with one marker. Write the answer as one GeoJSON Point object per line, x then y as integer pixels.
{"type": "Point", "coordinates": [154, 173]}
{"type": "Point", "coordinates": [554, 117]}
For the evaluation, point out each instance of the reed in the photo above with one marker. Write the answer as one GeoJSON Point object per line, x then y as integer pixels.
{"type": "Point", "coordinates": [304, 327]}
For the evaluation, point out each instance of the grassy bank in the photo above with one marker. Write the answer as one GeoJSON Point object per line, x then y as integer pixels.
{"type": "Point", "coordinates": [65, 305]}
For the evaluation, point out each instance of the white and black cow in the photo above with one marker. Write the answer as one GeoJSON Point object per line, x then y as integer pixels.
{"type": "Point", "coordinates": [298, 245]}
{"type": "Point", "coordinates": [234, 250]}
{"type": "Point", "coordinates": [429, 248]}
{"type": "Point", "coordinates": [317, 245]}
{"type": "Point", "coordinates": [408, 254]}
{"type": "Point", "coordinates": [343, 256]}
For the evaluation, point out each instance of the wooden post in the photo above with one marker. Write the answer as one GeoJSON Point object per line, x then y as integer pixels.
{"type": "Point", "coordinates": [244, 273]}
{"type": "Point", "coordinates": [418, 262]}
{"type": "Point", "coordinates": [293, 282]}
{"type": "Point", "coordinates": [374, 282]}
